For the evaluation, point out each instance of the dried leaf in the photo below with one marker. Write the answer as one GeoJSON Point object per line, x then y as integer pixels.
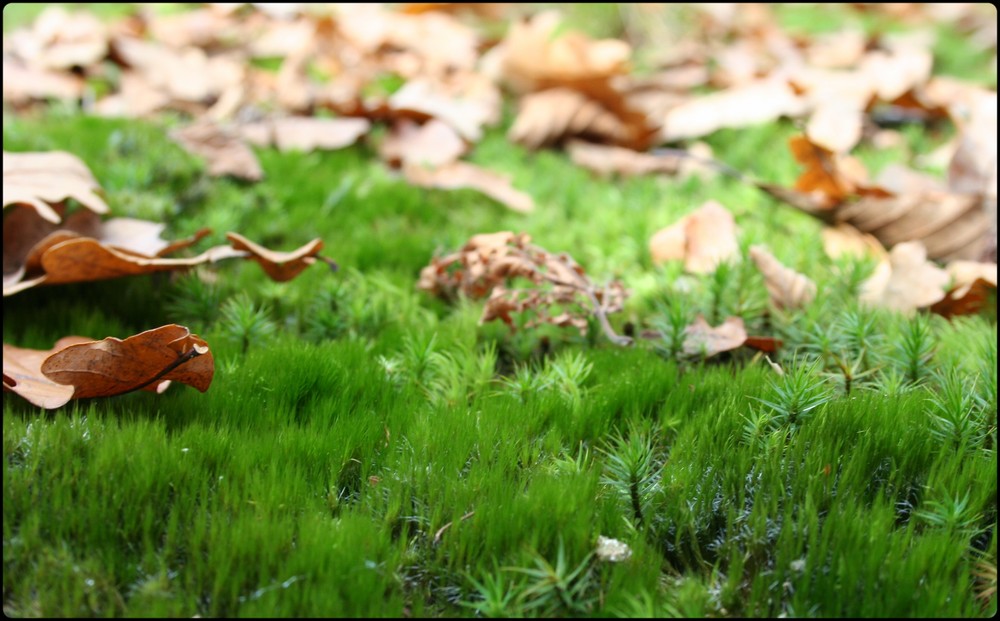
{"type": "Point", "coordinates": [741, 106]}
{"type": "Point", "coordinates": [465, 112]}
{"type": "Point", "coordinates": [536, 56]}
{"type": "Point", "coordinates": [308, 134]}
{"type": "Point", "coordinates": [552, 115]}
{"type": "Point", "coordinates": [225, 152]}
{"type": "Point", "coordinates": [459, 175]}
{"type": "Point", "coordinates": [40, 180]}
{"type": "Point", "coordinates": [971, 282]}
{"type": "Point", "coordinates": [950, 226]}
{"type": "Point", "coordinates": [906, 281]}
{"type": "Point", "coordinates": [788, 289]}
{"type": "Point", "coordinates": [609, 160]}
{"type": "Point", "coordinates": [113, 366]}
{"type": "Point", "coordinates": [844, 239]}
{"type": "Point", "coordinates": [488, 265]}
{"type": "Point", "coordinates": [703, 340]}
{"type": "Point", "coordinates": [24, 369]}
{"type": "Point", "coordinates": [433, 144]}
{"type": "Point", "coordinates": [59, 39]}
{"type": "Point", "coordinates": [280, 266]}
{"type": "Point", "coordinates": [703, 238]}
{"type": "Point", "coordinates": [835, 126]}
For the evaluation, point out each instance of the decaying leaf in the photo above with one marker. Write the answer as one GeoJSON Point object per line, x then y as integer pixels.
{"type": "Point", "coordinates": [43, 179]}
{"type": "Point", "coordinates": [306, 133]}
{"type": "Point", "coordinates": [550, 116]}
{"type": "Point", "coordinates": [702, 239]}
{"type": "Point", "coordinates": [459, 175]}
{"type": "Point", "coordinates": [609, 160]}
{"type": "Point", "coordinates": [703, 340]}
{"type": "Point", "coordinates": [223, 149]}
{"type": "Point", "coordinates": [490, 265]}
{"type": "Point", "coordinates": [971, 283]}
{"type": "Point", "coordinates": [80, 368]}
{"type": "Point", "coordinates": [844, 239]}
{"type": "Point", "coordinates": [22, 371]}
{"type": "Point", "coordinates": [430, 145]}
{"type": "Point", "coordinates": [906, 281]}
{"type": "Point", "coordinates": [788, 289]}
{"type": "Point", "coordinates": [537, 56]}
{"type": "Point", "coordinates": [280, 266]}
{"type": "Point", "coordinates": [741, 106]}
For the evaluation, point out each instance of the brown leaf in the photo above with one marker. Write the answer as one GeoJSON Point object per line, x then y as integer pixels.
{"type": "Point", "coordinates": [465, 110]}
{"type": "Point", "coordinates": [488, 264]}
{"type": "Point", "coordinates": [23, 84]}
{"type": "Point", "coordinates": [308, 134]}
{"type": "Point", "coordinates": [40, 180]}
{"type": "Point", "coordinates": [431, 145]}
{"type": "Point", "coordinates": [280, 266]}
{"type": "Point", "coordinates": [703, 340]}
{"type": "Point", "coordinates": [844, 239]}
{"type": "Point", "coordinates": [225, 152]}
{"type": "Point", "coordinates": [970, 287]}
{"type": "Point", "coordinates": [536, 56]}
{"type": "Point", "coordinates": [906, 281]}
{"type": "Point", "coordinates": [703, 238]}
{"type": "Point", "coordinates": [58, 39]}
{"type": "Point", "coordinates": [788, 289]}
{"type": "Point", "coordinates": [24, 368]}
{"type": "Point", "coordinates": [835, 126]}
{"type": "Point", "coordinates": [742, 106]}
{"type": "Point", "coordinates": [950, 226]}
{"type": "Point", "coordinates": [552, 115]}
{"type": "Point", "coordinates": [609, 160]}
{"type": "Point", "coordinates": [458, 175]}
{"type": "Point", "coordinates": [113, 366]}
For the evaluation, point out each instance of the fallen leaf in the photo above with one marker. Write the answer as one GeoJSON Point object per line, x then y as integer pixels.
{"type": "Point", "coordinates": [844, 239]}
{"type": "Point", "coordinates": [610, 160]}
{"type": "Point", "coordinates": [223, 149]}
{"type": "Point", "coordinates": [58, 39]}
{"type": "Point", "coordinates": [788, 289]}
{"type": "Point", "coordinates": [703, 340]}
{"type": "Point", "coordinates": [40, 180]}
{"type": "Point", "coordinates": [949, 225]}
{"type": "Point", "coordinates": [431, 145]}
{"type": "Point", "coordinates": [971, 282]}
{"type": "Point", "coordinates": [835, 126]}
{"type": "Point", "coordinates": [552, 115]}
{"type": "Point", "coordinates": [306, 133]}
{"type": "Point", "coordinates": [742, 106]}
{"type": "Point", "coordinates": [703, 238]}
{"type": "Point", "coordinates": [537, 56]}
{"type": "Point", "coordinates": [464, 113]}
{"type": "Point", "coordinates": [906, 281]}
{"type": "Point", "coordinates": [280, 266]}
{"type": "Point", "coordinates": [113, 366]}
{"type": "Point", "coordinates": [459, 175]}
{"type": "Point", "coordinates": [489, 265]}
{"type": "Point", "coordinates": [24, 368]}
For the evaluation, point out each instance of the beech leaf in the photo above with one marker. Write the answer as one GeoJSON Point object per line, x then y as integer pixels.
{"type": "Point", "coordinates": [701, 339]}
{"type": "Point", "coordinates": [788, 289]}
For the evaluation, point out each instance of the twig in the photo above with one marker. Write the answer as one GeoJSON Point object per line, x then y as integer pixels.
{"type": "Point", "coordinates": [440, 531]}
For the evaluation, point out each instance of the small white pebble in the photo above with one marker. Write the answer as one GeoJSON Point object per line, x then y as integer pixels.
{"type": "Point", "coordinates": [612, 550]}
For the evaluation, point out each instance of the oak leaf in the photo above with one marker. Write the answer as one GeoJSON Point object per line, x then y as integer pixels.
{"type": "Point", "coordinates": [78, 367]}
{"type": "Point", "coordinates": [971, 282]}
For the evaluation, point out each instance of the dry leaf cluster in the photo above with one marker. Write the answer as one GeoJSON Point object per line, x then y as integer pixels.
{"type": "Point", "coordinates": [489, 266]}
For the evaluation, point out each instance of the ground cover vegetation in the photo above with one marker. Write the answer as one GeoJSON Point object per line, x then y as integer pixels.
{"type": "Point", "coordinates": [593, 388]}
